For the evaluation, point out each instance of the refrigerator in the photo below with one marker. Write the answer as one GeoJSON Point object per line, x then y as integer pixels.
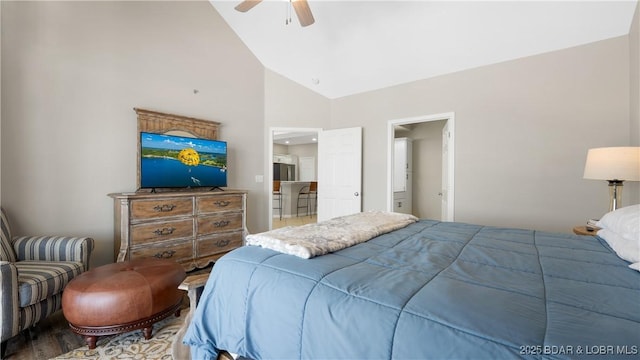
{"type": "Point", "coordinates": [284, 172]}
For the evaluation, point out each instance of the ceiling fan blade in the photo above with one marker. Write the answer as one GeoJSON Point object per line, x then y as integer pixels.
{"type": "Point", "coordinates": [303, 11]}
{"type": "Point", "coordinates": [247, 5]}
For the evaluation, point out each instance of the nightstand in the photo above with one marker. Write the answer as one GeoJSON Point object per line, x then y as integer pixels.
{"type": "Point", "coordinates": [582, 230]}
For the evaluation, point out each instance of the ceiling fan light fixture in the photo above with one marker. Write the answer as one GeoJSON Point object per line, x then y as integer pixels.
{"type": "Point", "coordinates": [303, 12]}
{"type": "Point", "coordinates": [247, 5]}
{"type": "Point", "coordinates": [301, 7]}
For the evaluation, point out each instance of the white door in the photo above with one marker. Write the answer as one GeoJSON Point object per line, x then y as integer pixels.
{"type": "Point", "coordinates": [339, 172]}
{"type": "Point", "coordinates": [444, 194]}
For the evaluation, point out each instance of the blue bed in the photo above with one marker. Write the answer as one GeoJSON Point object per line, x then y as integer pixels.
{"type": "Point", "coordinates": [430, 290]}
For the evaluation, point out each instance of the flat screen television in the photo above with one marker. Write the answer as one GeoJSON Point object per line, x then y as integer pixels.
{"type": "Point", "coordinates": [170, 161]}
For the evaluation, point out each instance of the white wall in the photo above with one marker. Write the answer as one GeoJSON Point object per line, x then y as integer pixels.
{"type": "Point", "coordinates": [634, 72]}
{"type": "Point", "coordinates": [72, 72]}
{"type": "Point", "coordinates": [633, 189]}
{"type": "Point", "coordinates": [304, 150]}
{"type": "Point", "coordinates": [280, 149]}
{"type": "Point", "coordinates": [523, 129]}
{"type": "Point", "coordinates": [288, 104]}
{"type": "Point", "coordinates": [0, 108]}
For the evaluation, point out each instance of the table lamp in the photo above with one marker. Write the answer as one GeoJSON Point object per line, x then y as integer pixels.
{"type": "Point", "coordinates": [616, 165]}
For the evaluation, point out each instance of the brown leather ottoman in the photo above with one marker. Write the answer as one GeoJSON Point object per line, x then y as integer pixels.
{"type": "Point", "coordinates": [122, 297]}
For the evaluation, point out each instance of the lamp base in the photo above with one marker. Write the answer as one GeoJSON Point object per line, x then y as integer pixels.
{"type": "Point", "coordinates": [615, 194]}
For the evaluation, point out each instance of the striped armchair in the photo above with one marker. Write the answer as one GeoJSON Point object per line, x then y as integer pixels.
{"type": "Point", "coordinates": [33, 272]}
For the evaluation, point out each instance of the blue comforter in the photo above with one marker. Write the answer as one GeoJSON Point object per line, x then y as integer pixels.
{"type": "Point", "coordinates": [430, 290]}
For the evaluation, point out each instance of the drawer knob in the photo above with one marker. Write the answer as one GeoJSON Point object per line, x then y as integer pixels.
{"type": "Point", "coordinates": [222, 203]}
{"type": "Point", "coordinates": [165, 254]}
{"type": "Point", "coordinates": [164, 231]}
{"type": "Point", "coordinates": [223, 242]}
{"type": "Point", "coordinates": [164, 208]}
{"type": "Point", "coordinates": [221, 223]}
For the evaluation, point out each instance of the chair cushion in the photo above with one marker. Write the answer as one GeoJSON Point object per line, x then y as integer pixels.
{"type": "Point", "coordinates": [6, 248]}
{"type": "Point", "coordinates": [38, 280]}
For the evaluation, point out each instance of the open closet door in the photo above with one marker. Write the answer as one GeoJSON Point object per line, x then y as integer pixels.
{"type": "Point", "coordinates": [339, 172]}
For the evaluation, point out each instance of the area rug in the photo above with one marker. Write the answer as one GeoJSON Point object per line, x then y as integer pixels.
{"type": "Point", "coordinates": [132, 345]}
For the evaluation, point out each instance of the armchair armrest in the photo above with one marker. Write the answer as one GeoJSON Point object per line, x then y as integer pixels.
{"type": "Point", "coordinates": [8, 300]}
{"type": "Point", "coordinates": [54, 248]}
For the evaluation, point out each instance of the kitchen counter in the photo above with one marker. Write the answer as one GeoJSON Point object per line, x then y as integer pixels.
{"type": "Point", "coordinates": [290, 190]}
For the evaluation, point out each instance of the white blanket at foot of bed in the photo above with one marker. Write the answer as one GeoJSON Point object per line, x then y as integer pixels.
{"type": "Point", "coordinates": [311, 240]}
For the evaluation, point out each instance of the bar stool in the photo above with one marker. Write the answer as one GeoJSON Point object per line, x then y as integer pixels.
{"type": "Point", "coordinates": [313, 197]}
{"type": "Point", "coordinates": [303, 195]}
{"type": "Point", "coordinates": [277, 196]}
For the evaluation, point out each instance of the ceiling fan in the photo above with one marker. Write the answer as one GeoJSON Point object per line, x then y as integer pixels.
{"type": "Point", "coordinates": [300, 6]}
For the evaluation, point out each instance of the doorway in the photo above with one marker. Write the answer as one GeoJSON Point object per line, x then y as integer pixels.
{"type": "Point", "coordinates": [432, 189]}
{"type": "Point", "coordinates": [297, 148]}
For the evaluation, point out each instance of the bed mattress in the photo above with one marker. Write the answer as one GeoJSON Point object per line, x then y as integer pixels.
{"type": "Point", "coordinates": [429, 290]}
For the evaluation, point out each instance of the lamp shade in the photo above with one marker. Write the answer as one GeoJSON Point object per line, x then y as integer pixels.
{"type": "Point", "coordinates": [613, 163]}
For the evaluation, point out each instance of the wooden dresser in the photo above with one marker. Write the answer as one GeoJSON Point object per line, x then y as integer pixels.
{"type": "Point", "coordinates": [193, 228]}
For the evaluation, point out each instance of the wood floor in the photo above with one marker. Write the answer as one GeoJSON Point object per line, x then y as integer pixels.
{"type": "Point", "coordinates": [294, 221]}
{"type": "Point", "coordinates": [50, 338]}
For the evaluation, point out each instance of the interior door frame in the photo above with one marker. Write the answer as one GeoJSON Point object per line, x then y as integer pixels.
{"type": "Point", "coordinates": [269, 161]}
{"type": "Point", "coordinates": [391, 124]}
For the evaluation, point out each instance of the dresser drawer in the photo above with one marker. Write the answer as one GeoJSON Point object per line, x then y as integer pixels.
{"type": "Point", "coordinates": [211, 224]}
{"type": "Point", "coordinates": [208, 204]}
{"type": "Point", "coordinates": [160, 231]}
{"type": "Point", "coordinates": [218, 243]}
{"type": "Point", "coordinates": [151, 209]}
{"type": "Point", "coordinates": [177, 250]}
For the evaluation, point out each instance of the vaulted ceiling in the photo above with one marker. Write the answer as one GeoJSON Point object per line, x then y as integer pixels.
{"type": "Point", "coordinates": [357, 46]}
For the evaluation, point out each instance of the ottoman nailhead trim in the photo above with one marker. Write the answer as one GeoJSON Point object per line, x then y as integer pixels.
{"type": "Point", "coordinates": [117, 329]}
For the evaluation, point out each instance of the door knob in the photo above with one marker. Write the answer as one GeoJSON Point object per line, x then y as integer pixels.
{"type": "Point", "coordinates": [356, 194]}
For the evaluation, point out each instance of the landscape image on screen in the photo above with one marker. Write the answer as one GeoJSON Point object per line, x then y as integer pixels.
{"type": "Point", "coordinates": [176, 161]}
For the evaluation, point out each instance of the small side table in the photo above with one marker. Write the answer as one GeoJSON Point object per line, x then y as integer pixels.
{"type": "Point", "coordinates": [194, 285]}
{"type": "Point", "coordinates": [582, 230]}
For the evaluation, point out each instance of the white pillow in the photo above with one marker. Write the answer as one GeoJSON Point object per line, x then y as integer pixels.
{"type": "Point", "coordinates": [627, 249]}
{"type": "Point", "coordinates": [635, 266]}
{"type": "Point", "coordinates": [624, 221]}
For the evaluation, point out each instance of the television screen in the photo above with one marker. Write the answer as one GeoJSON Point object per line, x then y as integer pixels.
{"type": "Point", "coordinates": [169, 161]}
